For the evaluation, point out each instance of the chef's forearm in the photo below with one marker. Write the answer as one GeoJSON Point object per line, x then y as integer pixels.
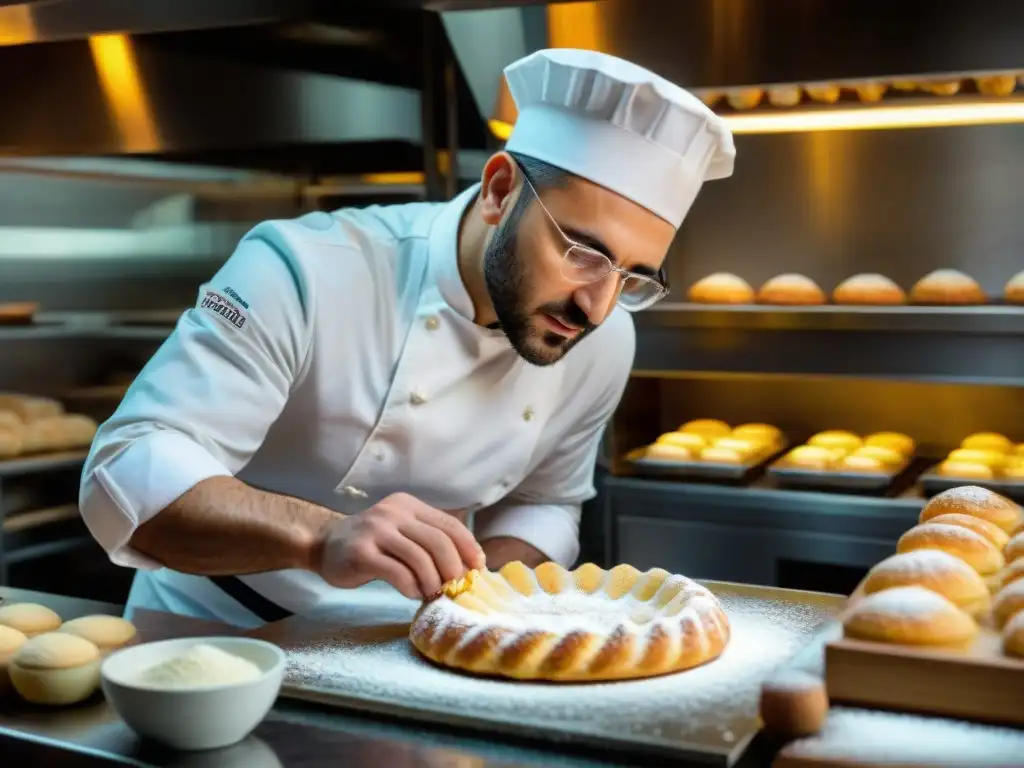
{"type": "Point", "coordinates": [224, 527]}
{"type": "Point", "coordinates": [501, 550]}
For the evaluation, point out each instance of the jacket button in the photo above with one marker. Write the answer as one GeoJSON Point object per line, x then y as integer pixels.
{"type": "Point", "coordinates": [418, 397]}
{"type": "Point", "coordinates": [354, 492]}
{"type": "Point", "coordinates": [528, 414]}
{"type": "Point", "coordinates": [432, 323]}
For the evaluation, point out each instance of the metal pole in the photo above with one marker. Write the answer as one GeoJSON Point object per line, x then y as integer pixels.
{"type": "Point", "coordinates": [428, 106]}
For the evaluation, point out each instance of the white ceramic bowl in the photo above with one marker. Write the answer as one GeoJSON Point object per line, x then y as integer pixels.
{"type": "Point", "coordinates": [210, 717]}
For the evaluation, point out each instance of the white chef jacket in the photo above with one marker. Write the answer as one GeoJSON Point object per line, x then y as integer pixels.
{"type": "Point", "coordinates": [334, 358]}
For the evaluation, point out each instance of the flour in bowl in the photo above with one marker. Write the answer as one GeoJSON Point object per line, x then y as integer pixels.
{"type": "Point", "coordinates": [200, 666]}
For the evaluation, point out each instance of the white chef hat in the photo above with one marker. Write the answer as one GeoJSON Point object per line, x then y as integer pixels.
{"type": "Point", "coordinates": [620, 126]}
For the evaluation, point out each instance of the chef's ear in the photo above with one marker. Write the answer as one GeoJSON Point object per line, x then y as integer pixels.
{"type": "Point", "coordinates": [497, 187]}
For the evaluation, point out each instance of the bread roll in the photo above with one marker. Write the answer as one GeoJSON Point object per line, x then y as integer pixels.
{"type": "Point", "coordinates": [987, 441]}
{"type": "Point", "coordinates": [991, 459]}
{"type": "Point", "coordinates": [667, 452]}
{"type": "Point", "coordinates": [869, 289]}
{"type": "Point", "coordinates": [855, 463]}
{"type": "Point", "coordinates": [784, 95]}
{"type": "Point", "coordinates": [59, 433]}
{"type": "Point", "coordinates": [996, 85]}
{"type": "Point", "coordinates": [30, 407]}
{"type": "Point", "coordinates": [811, 457]}
{"type": "Point", "coordinates": [1014, 572]}
{"type": "Point", "coordinates": [897, 441]}
{"type": "Point", "coordinates": [107, 633]}
{"type": "Point", "coordinates": [1014, 548]}
{"type": "Point", "coordinates": [1013, 636]}
{"type": "Point", "coordinates": [718, 455]}
{"type": "Point", "coordinates": [941, 87]}
{"type": "Point", "coordinates": [974, 549]}
{"type": "Point", "coordinates": [709, 429]}
{"type": "Point", "coordinates": [871, 93]}
{"type": "Point", "coordinates": [993, 533]}
{"type": "Point", "coordinates": [836, 438]}
{"type": "Point", "coordinates": [56, 668]}
{"type": "Point", "coordinates": [764, 433]}
{"type": "Point", "coordinates": [721, 288]}
{"type": "Point", "coordinates": [1014, 290]}
{"type": "Point", "coordinates": [936, 570]}
{"type": "Point", "coordinates": [909, 616]}
{"type": "Point", "coordinates": [965, 471]}
{"type": "Point", "coordinates": [886, 456]}
{"type": "Point", "coordinates": [1013, 469]}
{"type": "Point", "coordinates": [1008, 603]}
{"type": "Point", "coordinates": [691, 441]}
{"type": "Point", "coordinates": [12, 443]}
{"type": "Point", "coordinates": [791, 290]}
{"type": "Point", "coordinates": [11, 420]}
{"type": "Point", "coordinates": [947, 287]}
{"type": "Point", "coordinates": [29, 618]}
{"type": "Point", "coordinates": [827, 93]}
{"type": "Point", "coordinates": [977, 502]}
{"type": "Point", "coordinates": [744, 98]}
{"type": "Point", "coordinates": [10, 641]}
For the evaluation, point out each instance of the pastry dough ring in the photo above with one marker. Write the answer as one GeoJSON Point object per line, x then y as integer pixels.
{"type": "Point", "coordinates": [585, 625]}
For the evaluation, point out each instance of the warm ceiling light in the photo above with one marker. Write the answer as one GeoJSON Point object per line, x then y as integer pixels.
{"type": "Point", "coordinates": [918, 115]}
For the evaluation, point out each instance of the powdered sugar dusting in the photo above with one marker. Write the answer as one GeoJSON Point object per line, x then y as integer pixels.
{"type": "Point", "coordinates": [969, 497]}
{"type": "Point", "coordinates": [908, 602]}
{"type": "Point", "coordinates": [922, 563]}
{"type": "Point", "coordinates": [373, 660]}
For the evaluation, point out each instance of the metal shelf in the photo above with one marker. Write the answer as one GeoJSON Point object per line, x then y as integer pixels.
{"type": "Point", "coordinates": [44, 463]}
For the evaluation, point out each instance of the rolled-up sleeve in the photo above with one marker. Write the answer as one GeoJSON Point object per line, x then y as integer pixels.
{"type": "Point", "coordinates": [544, 510]}
{"type": "Point", "coordinates": [203, 404]}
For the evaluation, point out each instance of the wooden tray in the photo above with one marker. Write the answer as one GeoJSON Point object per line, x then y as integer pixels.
{"type": "Point", "coordinates": [707, 470]}
{"type": "Point", "coordinates": [978, 683]}
{"type": "Point", "coordinates": [933, 483]}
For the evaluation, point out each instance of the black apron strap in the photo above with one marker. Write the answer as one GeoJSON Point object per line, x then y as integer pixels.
{"type": "Point", "coordinates": [266, 609]}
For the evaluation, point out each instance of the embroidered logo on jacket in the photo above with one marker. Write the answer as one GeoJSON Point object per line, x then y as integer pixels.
{"type": "Point", "coordinates": [220, 305]}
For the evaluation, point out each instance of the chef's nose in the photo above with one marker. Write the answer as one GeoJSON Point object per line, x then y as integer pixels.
{"type": "Point", "coordinates": [597, 299]}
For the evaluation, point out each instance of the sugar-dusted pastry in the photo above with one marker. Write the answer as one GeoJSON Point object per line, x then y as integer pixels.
{"type": "Point", "coordinates": [987, 441]}
{"type": "Point", "coordinates": [836, 438]}
{"type": "Point", "coordinates": [996, 85]}
{"type": "Point", "coordinates": [936, 570]}
{"type": "Point", "coordinates": [10, 641]}
{"type": "Point", "coordinates": [992, 459]}
{"type": "Point", "coordinates": [909, 616]}
{"type": "Point", "coordinates": [792, 290]}
{"type": "Point", "coordinates": [583, 625]}
{"type": "Point", "coordinates": [869, 289]}
{"type": "Point", "coordinates": [56, 668]}
{"type": "Point", "coordinates": [962, 470]}
{"type": "Point", "coordinates": [668, 452]}
{"type": "Point", "coordinates": [947, 287]}
{"type": "Point", "coordinates": [827, 93]}
{"type": "Point", "coordinates": [973, 548]}
{"type": "Point", "coordinates": [897, 441]}
{"type": "Point", "coordinates": [764, 433]}
{"type": "Point", "coordinates": [990, 531]}
{"type": "Point", "coordinates": [1014, 549]}
{"type": "Point", "coordinates": [108, 633]}
{"type": "Point", "coordinates": [29, 618]}
{"type": "Point", "coordinates": [977, 502]}
{"type": "Point", "coordinates": [784, 95]}
{"type": "Point", "coordinates": [721, 288]}
{"type": "Point", "coordinates": [1013, 636]}
{"type": "Point", "coordinates": [811, 457]}
{"type": "Point", "coordinates": [691, 441]}
{"type": "Point", "coordinates": [1008, 603]}
{"type": "Point", "coordinates": [1014, 290]}
{"type": "Point", "coordinates": [709, 429]}
{"type": "Point", "coordinates": [1014, 572]}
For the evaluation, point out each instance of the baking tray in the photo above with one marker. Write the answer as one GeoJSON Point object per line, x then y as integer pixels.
{"type": "Point", "coordinates": [360, 658]}
{"type": "Point", "coordinates": [702, 469]}
{"type": "Point", "coordinates": [799, 477]}
{"type": "Point", "coordinates": [933, 483]}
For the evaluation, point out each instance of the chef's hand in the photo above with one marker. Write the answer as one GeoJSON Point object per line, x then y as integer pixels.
{"type": "Point", "coordinates": [411, 545]}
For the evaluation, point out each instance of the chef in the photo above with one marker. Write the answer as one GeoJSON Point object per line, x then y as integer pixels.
{"type": "Point", "coordinates": [378, 400]}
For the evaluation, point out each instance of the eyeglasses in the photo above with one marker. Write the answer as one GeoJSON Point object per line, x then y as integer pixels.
{"type": "Point", "coordinates": [582, 264]}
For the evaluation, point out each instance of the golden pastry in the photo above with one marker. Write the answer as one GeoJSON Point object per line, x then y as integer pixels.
{"type": "Point", "coordinates": [965, 471]}
{"type": "Point", "coordinates": [827, 93]}
{"type": "Point", "coordinates": [56, 668]}
{"type": "Point", "coordinates": [1013, 469]}
{"type": "Point", "coordinates": [108, 633]}
{"type": "Point", "coordinates": [886, 456]}
{"type": "Point", "coordinates": [12, 442]}
{"type": "Point", "coordinates": [59, 433]}
{"type": "Point", "coordinates": [764, 433]}
{"type": "Point", "coordinates": [977, 502]}
{"type": "Point", "coordinates": [987, 441]}
{"type": "Point", "coordinates": [974, 549]}
{"type": "Point", "coordinates": [721, 288]}
{"type": "Point", "coordinates": [855, 463]}
{"type": "Point", "coordinates": [1014, 548]}
{"type": "Point", "coordinates": [870, 93]}
{"type": "Point", "coordinates": [744, 98]}
{"type": "Point", "coordinates": [904, 85]}
{"type": "Point", "coordinates": [947, 287]}
{"type": "Point", "coordinates": [1008, 603]}
{"type": "Point", "coordinates": [11, 420]}
{"type": "Point", "coordinates": [1013, 636]}
{"type": "Point", "coordinates": [990, 531]}
{"type": "Point", "coordinates": [667, 452]}
{"type": "Point", "coordinates": [936, 570]}
{"type": "Point", "coordinates": [836, 438]}
{"type": "Point", "coordinates": [745, 448]}
{"type": "Point", "coordinates": [710, 98]}
{"type": "Point", "coordinates": [791, 290]}
{"type": "Point", "coordinates": [811, 457]}
{"type": "Point", "coordinates": [784, 95]}
{"type": "Point", "coordinates": [30, 407]}
{"type": "Point", "coordinates": [1014, 572]}
{"type": "Point", "coordinates": [587, 624]}
{"type": "Point", "coordinates": [10, 641]}
{"type": "Point", "coordinates": [941, 87]}
{"type": "Point", "coordinates": [909, 616]}
{"type": "Point", "coordinates": [29, 618]}
{"type": "Point", "coordinates": [990, 459]}
{"type": "Point", "coordinates": [1014, 290]}
{"type": "Point", "coordinates": [709, 429]}
{"type": "Point", "coordinates": [996, 85]}
{"type": "Point", "coordinates": [1018, 450]}
{"type": "Point", "coordinates": [869, 289]}
{"type": "Point", "coordinates": [718, 455]}
{"type": "Point", "coordinates": [896, 441]}
{"type": "Point", "coordinates": [691, 441]}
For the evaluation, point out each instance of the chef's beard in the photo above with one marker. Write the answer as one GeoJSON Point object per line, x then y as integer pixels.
{"type": "Point", "coordinates": [507, 282]}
